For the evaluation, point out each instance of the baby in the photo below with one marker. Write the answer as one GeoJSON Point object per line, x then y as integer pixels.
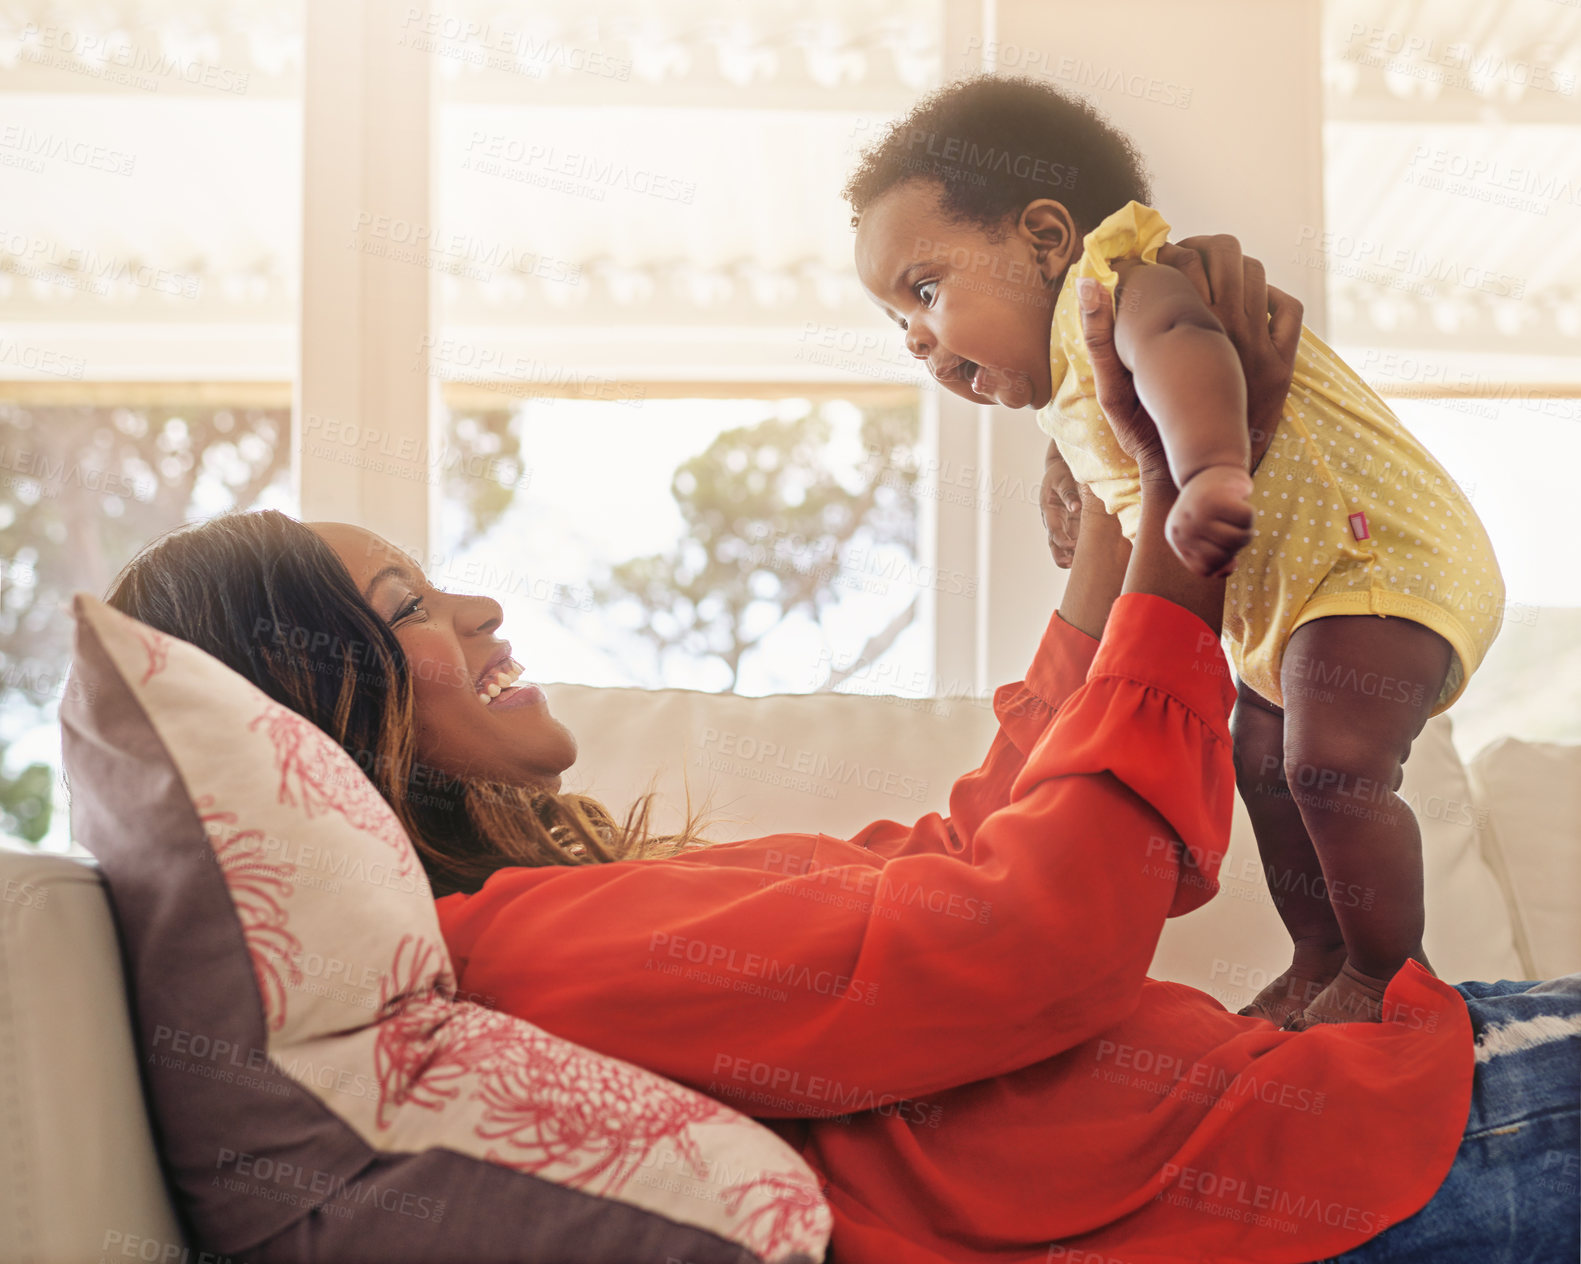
{"type": "Point", "coordinates": [1362, 589]}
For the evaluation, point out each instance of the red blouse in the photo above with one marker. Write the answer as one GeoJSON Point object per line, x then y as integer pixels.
{"type": "Point", "coordinates": [952, 1020]}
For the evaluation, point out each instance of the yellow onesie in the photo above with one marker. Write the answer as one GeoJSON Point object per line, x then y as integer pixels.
{"type": "Point", "coordinates": [1353, 515]}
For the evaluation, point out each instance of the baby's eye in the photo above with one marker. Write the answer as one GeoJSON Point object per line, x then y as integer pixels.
{"type": "Point", "coordinates": [927, 291]}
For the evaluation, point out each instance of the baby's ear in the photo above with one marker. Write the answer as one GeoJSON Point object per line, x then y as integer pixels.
{"type": "Point", "coordinates": [1047, 226]}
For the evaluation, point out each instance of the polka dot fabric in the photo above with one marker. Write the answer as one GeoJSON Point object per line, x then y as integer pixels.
{"type": "Point", "coordinates": [1416, 551]}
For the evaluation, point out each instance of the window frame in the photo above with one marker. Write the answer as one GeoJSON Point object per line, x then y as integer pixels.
{"type": "Point", "coordinates": [369, 107]}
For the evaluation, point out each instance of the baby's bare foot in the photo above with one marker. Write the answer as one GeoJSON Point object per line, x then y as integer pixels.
{"type": "Point", "coordinates": [1295, 989]}
{"type": "Point", "coordinates": [1353, 997]}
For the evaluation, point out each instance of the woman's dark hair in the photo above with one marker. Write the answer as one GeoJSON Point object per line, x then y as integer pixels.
{"type": "Point", "coordinates": [994, 143]}
{"type": "Point", "coordinates": [266, 596]}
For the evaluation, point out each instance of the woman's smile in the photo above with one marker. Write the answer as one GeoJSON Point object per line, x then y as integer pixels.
{"type": "Point", "coordinates": [498, 687]}
{"type": "Point", "coordinates": [512, 697]}
{"type": "Point", "coordinates": [458, 665]}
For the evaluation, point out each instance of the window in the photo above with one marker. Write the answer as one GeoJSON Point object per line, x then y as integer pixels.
{"type": "Point", "coordinates": [152, 179]}
{"type": "Point", "coordinates": [165, 355]}
{"type": "Point", "coordinates": [590, 229]}
{"type": "Point", "coordinates": [1451, 188]}
{"type": "Point", "coordinates": [760, 546]}
{"type": "Point", "coordinates": [646, 306]}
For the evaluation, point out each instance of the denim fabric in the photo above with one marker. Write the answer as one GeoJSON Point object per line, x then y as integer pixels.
{"type": "Point", "coordinates": [1513, 1194]}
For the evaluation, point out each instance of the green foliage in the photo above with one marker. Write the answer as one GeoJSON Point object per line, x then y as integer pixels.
{"type": "Point", "coordinates": [87, 487]}
{"type": "Point", "coordinates": [83, 489]}
{"type": "Point", "coordinates": [26, 802]}
{"type": "Point", "coordinates": [770, 519]}
{"type": "Point", "coordinates": [482, 433]}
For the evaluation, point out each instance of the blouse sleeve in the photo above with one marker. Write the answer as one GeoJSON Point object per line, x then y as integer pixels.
{"type": "Point", "coordinates": [848, 976]}
{"type": "Point", "coordinates": [1024, 710]}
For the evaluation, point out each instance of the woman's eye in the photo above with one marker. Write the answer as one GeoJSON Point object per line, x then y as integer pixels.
{"type": "Point", "coordinates": [412, 607]}
{"type": "Point", "coordinates": [927, 292]}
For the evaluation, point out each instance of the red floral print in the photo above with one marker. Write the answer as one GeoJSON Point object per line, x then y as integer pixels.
{"type": "Point", "coordinates": [157, 644]}
{"type": "Point", "coordinates": [259, 886]}
{"type": "Point", "coordinates": [552, 1104]}
{"type": "Point", "coordinates": [327, 779]}
{"type": "Point", "coordinates": [547, 1103]}
{"type": "Point", "coordinates": [422, 1055]}
{"type": "Point", "coordinates": [790, 1212]}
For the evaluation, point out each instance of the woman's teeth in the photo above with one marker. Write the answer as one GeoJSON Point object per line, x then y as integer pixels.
{"type": "Point", "coordinates": [499, 680]}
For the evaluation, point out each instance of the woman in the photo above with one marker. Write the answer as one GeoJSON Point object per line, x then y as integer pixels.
{"type": "Point", "coordinates": [967, 1050]}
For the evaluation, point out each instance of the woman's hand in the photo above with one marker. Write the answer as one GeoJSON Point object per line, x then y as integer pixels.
{"type": "Point", "coordinates": [1060, 504]}
{"type": "Point", "coordinates": [1262, 322]}
{"type": "Point", "coordinates": [1233, 288]}
{"type": "Point", "coordinates": [1133, 427]}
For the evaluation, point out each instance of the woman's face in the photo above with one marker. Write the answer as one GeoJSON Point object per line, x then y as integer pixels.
{"type": "Point", "coordinates": [455, 659]}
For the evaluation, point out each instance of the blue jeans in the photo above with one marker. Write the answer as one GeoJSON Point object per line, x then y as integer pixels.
{"type": "Point", "coordinates": [1512, 1195]}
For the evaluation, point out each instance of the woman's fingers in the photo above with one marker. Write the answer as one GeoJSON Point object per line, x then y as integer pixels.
{"type": "Point", "coordinates": [1263, 323]}
{"type": "Point", "coordinates": [1097, 319]}
{"type": "Point", "coordinates": [1236, 286]}
{"type": "Point", "coordinates": [1269, 362]}
{"type": "Point", "coordinates": [1224, 274]}
{"type": "Point", "coordinates": [1062, 539]}
{"type": "Point", "coordinates": [1061, 527]}
{"type": "Point", "coordinates": [1213, 264]}
{"type": "Point", "coordinates": [1116, 395]}
{"type": "Point", "coordinates": [1060, 505]}
{"type": "Point", "coordinates": [1133, 428]}
{"type": "Point", "coordinates": [1059, 482]}
{"type": "Point", "coordinates": [1254, 279]}
{"type": "Point", "coordinates": [1284, 322]}
{"type": "Point", "coordinates": [1184, 259]}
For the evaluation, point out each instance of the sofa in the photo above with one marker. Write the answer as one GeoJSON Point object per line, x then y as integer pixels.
{"type": "Point", "coordinates": [1501, 841]}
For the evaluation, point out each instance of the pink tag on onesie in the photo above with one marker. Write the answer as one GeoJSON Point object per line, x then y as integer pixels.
{"type": "Point", "coordinates": [1358, 526]}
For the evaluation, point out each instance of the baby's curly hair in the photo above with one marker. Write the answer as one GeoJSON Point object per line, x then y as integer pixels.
{"type": "Point", "coordinates": [993, 143]}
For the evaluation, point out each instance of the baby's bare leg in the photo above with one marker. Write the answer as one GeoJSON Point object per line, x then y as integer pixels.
{"type": "Point", "coordinates": [1290, 862]}
{"type": "Point", "coordinates": [1358, 689]}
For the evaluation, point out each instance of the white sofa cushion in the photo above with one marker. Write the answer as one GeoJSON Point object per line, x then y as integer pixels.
{"type": "Point", "coordinates": [826, 763]}
{"type": "Point", "coordinates": [1532, 836]}
{"type": "Point", "coordinates": [831, 763]}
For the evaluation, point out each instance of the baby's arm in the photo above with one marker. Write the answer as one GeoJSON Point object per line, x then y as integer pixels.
{"type": "Point", "coordinates": [1188, 377]}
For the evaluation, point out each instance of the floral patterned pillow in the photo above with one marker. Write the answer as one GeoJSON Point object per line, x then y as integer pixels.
{"type": "Point", "coordinates": [318, 1088]}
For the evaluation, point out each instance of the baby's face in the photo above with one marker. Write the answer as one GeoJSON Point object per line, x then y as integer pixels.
{"type": "Point", "coordinates": [978, 310]}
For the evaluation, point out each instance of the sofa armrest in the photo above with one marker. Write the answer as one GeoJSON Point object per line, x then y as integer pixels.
{"type": "Point", "coordinates": [82, 1173]}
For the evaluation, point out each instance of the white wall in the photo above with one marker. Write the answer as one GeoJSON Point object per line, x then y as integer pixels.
{"type": "Point", "coordinates": [1223, 97]}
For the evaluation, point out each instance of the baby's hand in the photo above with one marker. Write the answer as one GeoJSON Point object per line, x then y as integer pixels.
{"type": "Point", "coordinates": [1060, 503]}
{"type": "Point", "coordinates": [1212, 519]}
